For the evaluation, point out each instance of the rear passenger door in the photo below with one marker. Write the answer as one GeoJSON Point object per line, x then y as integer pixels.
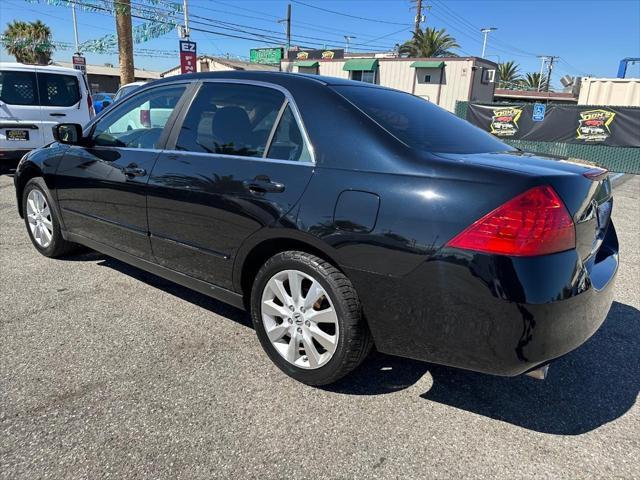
{"type": "Point", "coordinates": [20, 118]}
{"type": "Point", "coordinates": [60, 101]}
{"type": "Point", "coordinates": [238, 160]}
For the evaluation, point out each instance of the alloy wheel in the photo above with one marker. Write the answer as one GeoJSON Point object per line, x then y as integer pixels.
{"type": "Point", "coordinates": [299, 319]}
{"type": "Point", "coordinates": [39, 216]}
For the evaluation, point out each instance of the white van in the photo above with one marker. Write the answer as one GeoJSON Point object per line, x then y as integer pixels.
{"type": "Point", "coordinates": [33, 98]}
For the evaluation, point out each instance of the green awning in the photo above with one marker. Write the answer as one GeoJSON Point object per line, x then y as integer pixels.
{"type": "Point", "coordinates": [426, 64]}
{"type": "Point", "coordinates": [360, 64]}
{"type": "Point", "coordinates": [307, 64]}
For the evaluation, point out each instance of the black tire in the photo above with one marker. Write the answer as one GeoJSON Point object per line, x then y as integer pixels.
{"type": "Point", "coordinates": [354, 340]}
{"type": "Point", "coordinates": [58, 246]}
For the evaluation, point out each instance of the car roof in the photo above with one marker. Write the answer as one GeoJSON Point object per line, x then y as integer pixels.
{"type": "Point", "coordinates": [279, 78]}
{"type": "Point", "coordinates": [40, 68]}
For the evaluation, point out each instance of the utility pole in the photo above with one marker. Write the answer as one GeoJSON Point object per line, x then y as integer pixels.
{"type": "Point", "coordinates": [418, 15]}
{"type": "Point", "coordinates": [544, 59]}
{"type": "Point", "coordinates": [185, 10]}
{"type": "Point", "coordinates": [347, 39]}
{"type": "Point", "coordinates": [288, 27]}
{"type": "Point", "coordinates": [75, 26]}
{"type": "Point", "coordinates": [552, 59]}
{"type": "Point", "coordinates": [486, 32]}
{"type": "Point", "coordinates": [125, 40]}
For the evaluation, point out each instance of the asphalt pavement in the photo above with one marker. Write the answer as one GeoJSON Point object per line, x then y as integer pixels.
{"type": "Point", "coordinates": [109, 372]}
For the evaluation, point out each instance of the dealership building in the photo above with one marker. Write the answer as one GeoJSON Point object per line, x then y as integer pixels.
{"type": "Point", "coordinates": [443, 81]}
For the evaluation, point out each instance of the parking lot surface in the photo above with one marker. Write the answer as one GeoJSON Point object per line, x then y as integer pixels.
{"type": "Point", "coordinates": [107, 371]}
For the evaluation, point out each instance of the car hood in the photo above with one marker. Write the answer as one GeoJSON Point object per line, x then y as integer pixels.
{"type": "Point", "coordinates": [521, 162]}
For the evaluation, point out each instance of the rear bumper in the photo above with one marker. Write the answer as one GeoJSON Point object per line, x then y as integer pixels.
{"type": "Point", "coordinates": [492, 314]}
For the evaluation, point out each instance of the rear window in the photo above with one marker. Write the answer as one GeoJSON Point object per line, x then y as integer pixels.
{"type": "Point", "coordinates": [420, 124]}
{"type": "Point", "coordinates": [18, 88]}
{"type": "Point", "coordinates": [58, 90]}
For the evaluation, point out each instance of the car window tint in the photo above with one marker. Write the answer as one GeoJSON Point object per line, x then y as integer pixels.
{"type": "Point", "coordinates": [138, 122]}
{"type": "Point", "coordinates": [58, 90]}
{"type": "Point", "coordinates": [231, 119]}
{"type": "Point", "coordinates": [287, 143]}
{"type": "Point", "coordinates": [419, 123]}
{"type": "Point", "coordinates": [18, 88]}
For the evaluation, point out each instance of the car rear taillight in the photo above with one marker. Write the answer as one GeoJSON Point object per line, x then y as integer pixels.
{"type": "Point", "coordinates": [145, 118]}
{"type": "Point", "coordinates": [533, 223]}
{"type": "Point", "coordinates": [92, 112]}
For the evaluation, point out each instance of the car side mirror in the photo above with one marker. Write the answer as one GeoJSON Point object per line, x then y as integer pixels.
{"type": "Point", "coordinates": [68, 133]}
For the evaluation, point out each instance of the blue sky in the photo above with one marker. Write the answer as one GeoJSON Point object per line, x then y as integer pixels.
{"type": "Point", "coordinates": [590, 37]}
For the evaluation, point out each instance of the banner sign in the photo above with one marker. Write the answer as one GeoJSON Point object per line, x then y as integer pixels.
{"type": "Point", "coordinates": [599, 125]}
{"type": "Point", "coordinates": [315, 54]}
{"type": "Point", "coordinates": [187, 56]}
{"type": "Point", "coordinates": [80, 63]}
{"type": "Point", "coordinates": [267, 56]}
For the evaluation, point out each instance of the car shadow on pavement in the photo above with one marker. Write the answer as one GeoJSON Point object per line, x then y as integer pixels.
{"type": "Point", "coordinates": [596, 384]}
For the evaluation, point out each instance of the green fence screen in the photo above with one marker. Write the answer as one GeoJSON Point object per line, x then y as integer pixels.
{"type": "Point", "coordinates": [615, 159]}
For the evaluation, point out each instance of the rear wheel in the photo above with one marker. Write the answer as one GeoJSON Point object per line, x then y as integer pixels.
{"type": "Point", "coordinates": [41, 220]}
{"type": "Point", "coordinates": [308, 318]}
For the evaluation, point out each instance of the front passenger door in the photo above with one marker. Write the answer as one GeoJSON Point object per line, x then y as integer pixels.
{"type": "Point", "coordinates": [101, 188]}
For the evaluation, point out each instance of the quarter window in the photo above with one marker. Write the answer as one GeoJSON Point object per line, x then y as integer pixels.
{"type": "Point", "coordinates": [138, 122]}
{"type": "Point", "coordinates": [287, 143]}
{"type": "Point", "coordinates": [230, 119]}
{"type": "Point", "coordinates": [18, 88]}
{"type": "Point", "coordinates": [58, 90]}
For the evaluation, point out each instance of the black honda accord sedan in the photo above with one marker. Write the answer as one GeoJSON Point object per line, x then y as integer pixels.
{"type": "Point", "coordinates": [343, 215]}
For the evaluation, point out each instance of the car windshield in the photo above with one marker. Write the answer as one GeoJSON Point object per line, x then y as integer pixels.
{"type": "Point", "coordinates": [419, 123]}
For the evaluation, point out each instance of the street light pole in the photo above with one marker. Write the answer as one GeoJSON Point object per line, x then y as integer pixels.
{"type": "Point", "coordinates": [544, 59]}
{"type": "Point", "coordinates": [75, 26]}
{"type": "Point", "coordinates": [347, 39]}
{"type": "Point", "coordinates": [486, 34]}
{"type": "Point", "coordinates": [185, 10]}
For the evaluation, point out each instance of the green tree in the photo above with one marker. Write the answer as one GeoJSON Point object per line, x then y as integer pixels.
{"type": "Point", "coordinates": [429, 43]}
{"type": "Point", "coordinates": [509, 74]}
{"type": "Point", "coordinates": [29, 42]}
{"type": "Point", "coordinates": [533, 81]}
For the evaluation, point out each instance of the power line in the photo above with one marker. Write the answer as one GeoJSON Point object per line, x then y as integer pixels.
{"type": "Point", "coordinates": [376, 20]}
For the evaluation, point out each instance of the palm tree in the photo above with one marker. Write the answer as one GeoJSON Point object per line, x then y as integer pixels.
{"type": "Point", "coordinates": [29, 42]}
{"type": "Point", "coordinates": [533, 81]}
{"type": "Point", "coordinates": [509, 74]}
{"type": "Point", "coordinates": [429, 43]}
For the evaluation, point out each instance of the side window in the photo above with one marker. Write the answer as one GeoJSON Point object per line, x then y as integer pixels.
{"type": "Point", "coordinates": [18, 88]}
{"type": "Point", "coordinates": [138, 121]}
{"type": "Point", "coordinates": [57, 90]}
{"type": "Point", "coordinates": [287, 143]}
{"type": "Point", "coordinates": [230, 119]}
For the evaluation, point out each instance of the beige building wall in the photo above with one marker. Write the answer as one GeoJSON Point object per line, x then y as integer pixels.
{"type": "Point", "coordinates": [445, 87]}
{"type": "Point", "coordinates": [621, 92]}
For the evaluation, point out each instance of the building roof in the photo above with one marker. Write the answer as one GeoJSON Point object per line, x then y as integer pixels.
{"type": "Point", "coordinates": [113, 71]}
{"type": "Point", "coordinates": [533, 95]}
{"type": "Point", "coordinates": [232, 63]}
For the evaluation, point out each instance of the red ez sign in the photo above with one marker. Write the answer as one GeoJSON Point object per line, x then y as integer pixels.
{"type": "Point", "coordinates": [187, 56]}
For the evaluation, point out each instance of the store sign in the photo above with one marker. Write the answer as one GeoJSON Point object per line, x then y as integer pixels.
{"type": "Point", "coordinates": [605, 125]}
{"type": "Point", "coordinates": [315, 54]}
{"type": "Point", "coordinates": [267, 56]}
{"type": "Point", "coordinates": [187, 56]}
{"type": "Point", "coordinates": [80, 63]}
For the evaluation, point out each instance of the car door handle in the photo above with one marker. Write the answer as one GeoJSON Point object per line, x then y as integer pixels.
{"type": "Point", "coordinates": [58, 114]}
{"type": "Point", "coordinates": [132, 170]}
{"type": "Point", "coordinates": [262, 184]}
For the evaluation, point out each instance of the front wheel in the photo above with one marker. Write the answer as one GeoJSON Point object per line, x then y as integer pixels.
{"type": "Point", "coordinates": [308, 318]}
{"type": "Point", "coordinates": [41, 220]}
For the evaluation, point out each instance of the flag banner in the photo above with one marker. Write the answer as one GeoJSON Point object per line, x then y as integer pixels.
{"type": "Point", "coordinates": [582, 124]}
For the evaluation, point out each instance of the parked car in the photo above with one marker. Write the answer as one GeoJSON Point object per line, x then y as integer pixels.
{"type": "Point", "coordinates": [127, 89]}
{"type": "Point", "coordinates": [102, 101]}
{"type": "Point", "coordinates": [33, 98]}
{"type": "Point", "coordinates": [341, 215]}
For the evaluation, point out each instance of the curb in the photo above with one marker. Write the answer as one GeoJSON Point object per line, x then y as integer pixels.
{"type": "Point", "coordinates": [618, 179]}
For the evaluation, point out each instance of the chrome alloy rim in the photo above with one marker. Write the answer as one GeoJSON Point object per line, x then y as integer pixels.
{"type": "Point", "coordinates": [299, 319]}
{"type": "Point", "coordinates": [39, 217]}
